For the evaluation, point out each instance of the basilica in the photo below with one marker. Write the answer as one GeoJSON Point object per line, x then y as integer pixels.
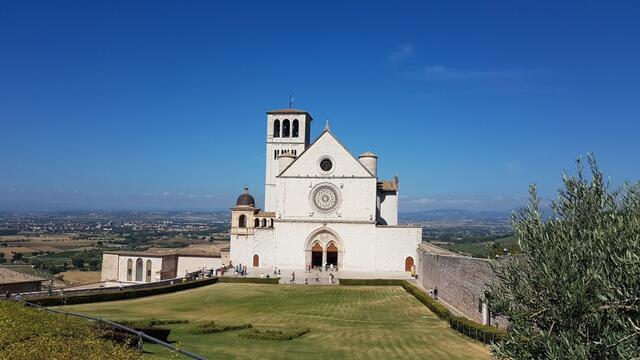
{"type": "Point", "coordinates": [322, 206]}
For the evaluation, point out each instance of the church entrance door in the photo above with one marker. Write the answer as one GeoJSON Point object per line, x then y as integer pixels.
{"type": "Point", "coordinates": [332, 254]}
{"type": "Point", "coordinates": [408, 264]}
{"type": "Point", "coordinates": [316, 255]}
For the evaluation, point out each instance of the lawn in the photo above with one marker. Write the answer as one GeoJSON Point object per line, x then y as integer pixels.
{"type": "Point", "coordinates": [358, 322]}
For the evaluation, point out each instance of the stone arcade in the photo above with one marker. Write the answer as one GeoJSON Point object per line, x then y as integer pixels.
{"type": "Point", "coordinates": [322, 206]}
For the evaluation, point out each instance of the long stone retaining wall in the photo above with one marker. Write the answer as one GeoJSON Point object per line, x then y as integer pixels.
{"type": "Point", "coordinates": [461, 282]}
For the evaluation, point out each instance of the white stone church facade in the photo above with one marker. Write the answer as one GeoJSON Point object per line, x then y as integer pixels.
{"type": "Point", "coordinates": [322, 206]}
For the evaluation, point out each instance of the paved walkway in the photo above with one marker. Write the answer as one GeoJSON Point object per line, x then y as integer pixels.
{"type": "Point", "coordinates": [323, 276]}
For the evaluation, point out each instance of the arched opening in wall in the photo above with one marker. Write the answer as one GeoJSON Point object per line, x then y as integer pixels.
{"type": "Point", "coordinates": [129, 270]}
{"type": "Point", "coordinates": [256, 260]}
{"type": "Point", "coordinates": [139, 269]}
{"type": "Point", "coordinates": [332, 254]}
{"type": "Point", "coordinates": [264, 222]}
{"type": "Point", "coordinates": [285, 128]}
{"type": "Point", "coordinates": [276, 128]}
{"type": "Point", "coordinates": [271, 223]}
{"type": "Point", "coordinates": [256, 223]}
{"type": "Point", "coordinates": [242, 221]}
{"type": "Point", "coordinates": [408, 263]}
{"type": "Point", "coordinates": [148, 274]}
{"type": "Point", "coordinates": [316, 255]}
{"type": "Point", "coordinates": [294, 130]}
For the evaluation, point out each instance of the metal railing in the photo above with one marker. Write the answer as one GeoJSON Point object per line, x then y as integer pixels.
{"type": "Point", "coordinates": [139, 334]}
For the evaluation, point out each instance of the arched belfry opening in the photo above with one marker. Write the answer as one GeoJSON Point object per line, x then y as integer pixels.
{"type": "Point", "coordinates": [295, 128]}
{"type": "Point", "coordinates": [276, 128]}
{"type": "Point", "coordinates": [286, 127]}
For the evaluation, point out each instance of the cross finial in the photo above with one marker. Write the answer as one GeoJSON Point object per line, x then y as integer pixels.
{"type": "Point", "coordinates": [290, 101]}
{"type": "Point", "coordinates": [326, 126]}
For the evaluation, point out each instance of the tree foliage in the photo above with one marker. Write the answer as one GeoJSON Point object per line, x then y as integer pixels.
{"type": "Point", "coordinates": [574, 292]}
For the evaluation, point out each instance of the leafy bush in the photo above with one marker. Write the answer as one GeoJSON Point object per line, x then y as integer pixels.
{"type": "Point", "coordinates": [574, 291]}
{"type": "Point", "coordinates": [216, 327]}
{"type": "Point", "coordinates": [278, 335]}
{"type": "Point", "coordinates": [485, 333]}
{"type": "Point", "coordinates": [249, 280]}
{"type": "Point", "coordinates": [437, 308]}
{"type": "Point", "coordinates": [27, 333]}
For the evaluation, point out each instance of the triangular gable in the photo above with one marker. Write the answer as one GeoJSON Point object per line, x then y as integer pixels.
{"type": "Point", "coordinates": [344, 163]}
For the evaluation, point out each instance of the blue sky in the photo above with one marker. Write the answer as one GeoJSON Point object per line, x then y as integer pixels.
{"type": "Point", "coordinates": [160, 105]}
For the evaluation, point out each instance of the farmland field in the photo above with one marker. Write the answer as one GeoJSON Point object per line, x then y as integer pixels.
{"type": "Point", "coordinates": [359, 322]}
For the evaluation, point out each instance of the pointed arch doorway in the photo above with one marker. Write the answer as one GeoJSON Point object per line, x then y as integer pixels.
{"type": "Point", "coordinates": [332, 254]}
{"type": "Point", "coordinates": [324, 247]}
{"type": "Point", "coordinates": [316, 255]}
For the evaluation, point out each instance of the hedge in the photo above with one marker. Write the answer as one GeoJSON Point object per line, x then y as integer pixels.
{"type": "Point", "coordinates": [484, 333]}
{"type": "Point", "coordinates": [278, 335]}
{"type": "Point", "coordinates": [216, 327]}
{"type": "Point", "coordinates": [251, 280]}
{"type": "Point", "coordinates": [120, 294]}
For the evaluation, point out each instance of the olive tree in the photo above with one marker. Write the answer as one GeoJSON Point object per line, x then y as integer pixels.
{"type": "Point", "coordinates": [574, 291]}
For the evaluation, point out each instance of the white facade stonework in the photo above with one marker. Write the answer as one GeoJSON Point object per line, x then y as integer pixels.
{"type": "Point", "coordinates": [323, 206]}
{"type": "Point", "coordinates": [137, 267]}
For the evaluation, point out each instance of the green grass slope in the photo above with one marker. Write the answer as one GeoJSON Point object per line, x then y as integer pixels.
{"type": "Point", "coordinates": [359, 322]}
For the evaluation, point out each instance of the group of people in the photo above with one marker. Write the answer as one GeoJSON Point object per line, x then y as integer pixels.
{"type": "Point", "coordinates": [292, 280]}
{"type": "Point", "coordinates": [240, 270]}
{"type": "Point", "coordinates": [327, 267]}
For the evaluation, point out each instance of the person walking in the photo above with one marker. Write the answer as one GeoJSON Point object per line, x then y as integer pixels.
{"type": "Point", "coordinates": [317, 277]}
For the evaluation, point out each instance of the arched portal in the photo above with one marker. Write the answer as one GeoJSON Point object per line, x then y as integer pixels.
{"type": "Point", "coordinates": [316, 255]}
{"type": "Point", "coordinates": [318, 242]}
{"type": "Point", "coordinates": [408, 263]}
{"type": "Point", "coordinates": [256, 260]}
{"type": "Point", "coordinates": [332, 254]}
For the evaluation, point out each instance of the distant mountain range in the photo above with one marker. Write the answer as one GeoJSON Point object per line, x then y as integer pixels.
{"type": "Point", "coordinates": [454, 214]}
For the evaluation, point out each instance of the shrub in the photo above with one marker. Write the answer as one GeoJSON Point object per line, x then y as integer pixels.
{"type": "Point", "coordinates": [437, 308]}
{"type": "Point", "coordinates": [251, 280]}
{"type": "Point", "coordinates": [120, 295]}
{"type": "Point", "coordinates": [371, 282]}
{"type": "Point", "coordinates": [278, 335]}
{"type": "Point", "coordinates": [485, 333]}
{"type": "Point", "coordinates": [216, 327]}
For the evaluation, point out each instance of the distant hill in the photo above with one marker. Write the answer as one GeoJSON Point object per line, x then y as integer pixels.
{"type": "Point", "coordinates": [454, 214]}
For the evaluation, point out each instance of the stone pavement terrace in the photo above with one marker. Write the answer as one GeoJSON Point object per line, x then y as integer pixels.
{"type": "Point", "coordinates": [323, 276]}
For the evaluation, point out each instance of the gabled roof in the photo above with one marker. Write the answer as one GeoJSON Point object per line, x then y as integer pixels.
{"type": "Point", "coordinates": [326, 131]}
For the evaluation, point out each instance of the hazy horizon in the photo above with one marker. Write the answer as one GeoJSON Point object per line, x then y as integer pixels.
{"type": "Point", "coordinates": [161, 105]}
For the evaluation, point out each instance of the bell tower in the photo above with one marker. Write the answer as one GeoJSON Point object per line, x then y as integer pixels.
{"type": "Point", "coordinates": [288, 132]}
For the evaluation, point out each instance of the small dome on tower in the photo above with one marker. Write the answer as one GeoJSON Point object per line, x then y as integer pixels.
{"type": "Point", "coordinates": [245, 199]}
